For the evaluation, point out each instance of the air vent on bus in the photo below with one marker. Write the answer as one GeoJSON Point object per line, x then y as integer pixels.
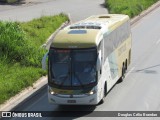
{"type": "Point", "coordinates": [77, 27]}
{"type": "Point", "coordinates": [93, 27]}
{"type": "Point", "coordinates": [104, 17]}
{"type": "Point", "coordinates": [85, 27]}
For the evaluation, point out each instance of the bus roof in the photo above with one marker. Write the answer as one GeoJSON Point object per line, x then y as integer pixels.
{"type": "Point", "coordinates": [86, 33]}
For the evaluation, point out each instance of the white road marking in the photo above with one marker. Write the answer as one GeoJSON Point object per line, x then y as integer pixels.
{"type": "Point", "coordinates": [158, 41]}
{"type": "Point", "coordinates": [130, 71]}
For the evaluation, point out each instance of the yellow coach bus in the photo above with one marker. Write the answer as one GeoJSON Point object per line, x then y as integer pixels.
{"type": "Point", "coordinates": [87, 58]}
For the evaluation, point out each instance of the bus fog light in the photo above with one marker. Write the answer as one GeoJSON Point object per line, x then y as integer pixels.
{"type": "Point", "coordinates": [52, 100]}
{"type": "Point", "coordinates": [91, 100]}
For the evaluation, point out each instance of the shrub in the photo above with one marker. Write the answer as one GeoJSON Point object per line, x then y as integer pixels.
{"type": "Point", "coordinates": [20, 52]}
{"type": "Point", "coordinates": [129, 7]}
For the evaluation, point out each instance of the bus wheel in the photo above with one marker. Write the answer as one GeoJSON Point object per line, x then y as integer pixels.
{"type": "Point", "coordinates": [123, 74]}
{"type": "Point", "coordinates": [126, 67]}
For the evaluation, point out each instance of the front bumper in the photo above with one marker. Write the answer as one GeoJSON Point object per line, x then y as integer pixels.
{"type": "Point", "coordinates": [74, 100]}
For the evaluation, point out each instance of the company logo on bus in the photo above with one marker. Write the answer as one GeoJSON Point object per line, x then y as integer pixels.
{"type": "Point", "coordinates": [62, 51]}
{"type": "Point", "coordinates": [72, 46]}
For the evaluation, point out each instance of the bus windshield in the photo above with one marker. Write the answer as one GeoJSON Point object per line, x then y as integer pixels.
{"type": "Point", "coordinates": [73, 67]}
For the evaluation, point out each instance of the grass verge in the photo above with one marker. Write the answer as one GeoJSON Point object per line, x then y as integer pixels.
{"type": "Point", "coordinates": [20, 52]}
{"type": "Point", "coordinates": [129, 7]}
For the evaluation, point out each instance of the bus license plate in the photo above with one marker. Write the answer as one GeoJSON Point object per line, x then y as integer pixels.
{"type": "Point", "coordinates": [71, 101]}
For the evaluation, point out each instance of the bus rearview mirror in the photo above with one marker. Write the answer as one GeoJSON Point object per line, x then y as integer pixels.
{"type": "Point", "coordinates": [98, 64]}
{"type": "Point", "coordinates": [44, 61]}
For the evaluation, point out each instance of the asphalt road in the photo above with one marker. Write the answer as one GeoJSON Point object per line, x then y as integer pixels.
{"type": "Point", "coordinates": [79, 9]}
{"type": "Point", "coordinates": [140, 89]}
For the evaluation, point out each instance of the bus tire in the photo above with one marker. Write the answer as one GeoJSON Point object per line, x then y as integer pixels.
{"type": "Point", "coordinates": [126, 66]}
{"type": "Point", "coordinates": [123, 74]}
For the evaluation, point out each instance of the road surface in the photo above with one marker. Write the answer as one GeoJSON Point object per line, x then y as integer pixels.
{"type": "Point", "coordinates": [140, 89]}
{"type": "Point", "coordinates": [79, 9]}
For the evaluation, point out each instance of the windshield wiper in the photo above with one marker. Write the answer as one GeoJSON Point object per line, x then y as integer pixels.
{"type": "Point", "coordinates": [65, 76]}
{"type": "Point", "coordinates": [79, 80]}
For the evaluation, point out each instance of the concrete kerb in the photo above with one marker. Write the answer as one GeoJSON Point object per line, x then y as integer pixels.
{"type": "Point", "coordinates": [40, 84]}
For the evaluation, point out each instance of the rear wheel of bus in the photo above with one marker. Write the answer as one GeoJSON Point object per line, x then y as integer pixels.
{"type": "Point", "coordinates": [123, 74]}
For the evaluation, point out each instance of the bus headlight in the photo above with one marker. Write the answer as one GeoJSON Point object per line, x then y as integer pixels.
{"type": "Point", "coordinates": [51, 91]}
{"type": "Point", "coordinates": [91, 92]}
